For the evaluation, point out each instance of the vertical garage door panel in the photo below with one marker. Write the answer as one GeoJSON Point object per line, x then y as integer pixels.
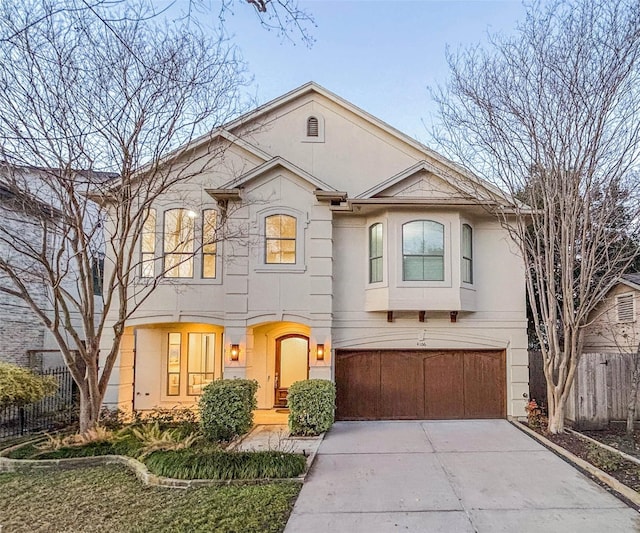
{"type": "Point", "coordinates": [401, 390]}
{"type": "Point", "coordinates": [357, 385]}
{"type": "Point", "coordinates": [484, 380]}
{"type": "Point", "coordinates": [443, 389]}
{"type": "Point", "coordinates": [420, 384]}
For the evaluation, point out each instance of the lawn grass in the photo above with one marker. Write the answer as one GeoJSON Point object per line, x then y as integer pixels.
{"type": "Point", "coordinates": [110, 498]}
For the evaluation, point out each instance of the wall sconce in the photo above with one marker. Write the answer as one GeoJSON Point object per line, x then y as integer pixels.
{"type": "Point", "coordinates": [235, 352]}
{"type": "Point", "coordinates": [453, 316]}
{"type": "Point", "coordinates": [320, 352]}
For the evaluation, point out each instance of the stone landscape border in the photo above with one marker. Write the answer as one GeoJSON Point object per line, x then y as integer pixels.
{"type": "Point", "coordinates": [138, 468]}
{"type": "Point", "coordinates": [613, 483]}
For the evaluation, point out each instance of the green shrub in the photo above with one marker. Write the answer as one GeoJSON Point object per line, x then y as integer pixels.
{"type": "Point", "coordinates": [311, 406]}
{"type": "Point", "coordinates": [223, 465]}
{"type": "Point", "coordinates": [19, 386]}
{"type": "Point", "coordinates": [226, 408]}
{"type": "Point", "coordinates": [183, 419]}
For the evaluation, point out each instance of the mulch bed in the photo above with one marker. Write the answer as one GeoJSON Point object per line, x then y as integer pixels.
{"type": "Point", "coordinates": [623, 470]}
{"type": "Point", "coordinates": [615, 436]}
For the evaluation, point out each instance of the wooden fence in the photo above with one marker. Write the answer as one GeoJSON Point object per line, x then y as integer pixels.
{"type": "Point", "coordinates": [600, 391]}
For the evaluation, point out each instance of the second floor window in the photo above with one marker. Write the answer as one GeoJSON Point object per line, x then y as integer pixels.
{"type": "Point", "coordinates": [148, 245]}
{"type": "Point", "coordinates": [179, 226]}
{"type": "Point", "coordinates": [375, 253]}
{"type": "Point", "coordinates": [209, 243]}
{"type": "Point", "coordinates": [467, 253]}
{"type": "Point", "coordinates": [280, 239]}
{"type": "Point", "coordinates": [423, 251]}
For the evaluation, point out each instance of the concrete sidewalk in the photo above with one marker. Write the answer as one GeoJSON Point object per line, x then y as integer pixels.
{"type": "Point", "coordinates": [449, 476]}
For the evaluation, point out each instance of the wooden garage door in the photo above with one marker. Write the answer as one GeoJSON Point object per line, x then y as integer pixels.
{"type": "Point", "coordinates": [411, 384]}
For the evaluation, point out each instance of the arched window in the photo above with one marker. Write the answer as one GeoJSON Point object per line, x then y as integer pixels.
{"type": "Point", "coordinates": [179, 226]}
{"type": "Point", "coordinates": [375, 253]}
{"type": "Point", "coordinates": [467, 253]}
{"type": "Point", "coordinates": [312, 127]}
{"type": "Point", "coordinates": [280, 239]}
{"type": "Point", "coordinates": [423, 251]}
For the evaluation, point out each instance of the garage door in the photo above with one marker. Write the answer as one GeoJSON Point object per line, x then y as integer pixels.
{"type": "Point", "coordinates": [412, 384]}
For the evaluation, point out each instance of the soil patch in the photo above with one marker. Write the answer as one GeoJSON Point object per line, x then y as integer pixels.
{"type": "Point", "coordinates": [625, 471]}
{"type": "Point", "coordinates": [616, 437]}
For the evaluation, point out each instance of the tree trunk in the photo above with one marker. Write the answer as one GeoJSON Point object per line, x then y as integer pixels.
{"type": "Point", "coordinates": [633, 393]}
{"type": "Point", "coordinates": [89, 409]}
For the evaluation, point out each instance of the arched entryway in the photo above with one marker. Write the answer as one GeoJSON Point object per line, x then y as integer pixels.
{"type": "Point", "coordinates": [292, 364]}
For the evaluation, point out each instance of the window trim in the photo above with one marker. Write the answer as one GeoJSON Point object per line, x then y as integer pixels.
{"type": "Point", "coordinates": [463, 257]}
{"type": "Point", "coordinates": [302, 222]}
{"type": "Point", "coordinates": [443, 255]}
{"type": "Point", "coordinates": [373, 258]}
{"type": "Point", "coordinates": [280, 239]}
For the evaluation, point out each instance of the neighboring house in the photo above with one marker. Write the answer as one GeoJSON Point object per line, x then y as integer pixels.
{"type": "Point", "coordinates": [370, 260]}
{"type": "Point", "coordinates": [25, 209]}
{"type": "Point", "coordinates": [602, 384]}
{"type": "Point", "coordinates": [20, 330]}
{"type": "Point", "coordinates": [615, 323]}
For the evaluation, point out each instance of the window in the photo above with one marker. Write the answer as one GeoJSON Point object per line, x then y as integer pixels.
{"type": "Point", "coordinates": [209, 243]}
{"type": "Point", "coordinates": [625, 308]}
{"type": "Point", "coordinates": [423, 251]}
{"type": "Point", "coordinates": [280, 239]}
{"type": "Point", "coordinates": [312, 127]}
{"type": "Point", "coordinates": [375, 253]}
{"type": "Point", "coordinates": [467, 254]}
{"type": "Point", "coordinates": [148, 245]}
{"type": "Point", "coordinates": [174, 357]}
{"type": "Point", "coordinates": [200, 361]}
{"type": "Point", "coordinates": [178, 243]}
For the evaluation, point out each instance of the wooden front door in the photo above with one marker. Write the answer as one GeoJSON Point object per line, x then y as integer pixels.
{"type": "Point", "coordinates": [292, 364]}
{"type": "Point", "coordinates": [420, 384]}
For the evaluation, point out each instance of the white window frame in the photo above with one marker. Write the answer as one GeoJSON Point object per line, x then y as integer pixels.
{"type": "Point", "coordinates": [302, 221]}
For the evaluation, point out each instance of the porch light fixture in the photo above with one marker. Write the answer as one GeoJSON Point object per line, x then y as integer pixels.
{"type": "Point", "coordinates": [235, 352]}
{"type": "Point", "coordinates": [320, 352]}
{"type": "Point", "coordinates": [453, 316]}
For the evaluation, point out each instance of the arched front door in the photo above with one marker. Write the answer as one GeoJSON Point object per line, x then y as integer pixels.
{"type": "Point", "coordinates": [292, 364]}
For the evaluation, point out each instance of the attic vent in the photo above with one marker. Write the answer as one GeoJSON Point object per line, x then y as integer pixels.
{"type": "Point", "coordinates": [312, 127]}
{"type": "Point", "coordinates": [624, 304]}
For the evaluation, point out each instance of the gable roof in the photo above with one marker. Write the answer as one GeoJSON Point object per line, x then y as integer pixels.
{"type": "Point", "coordinates": [631, 280]}
{"type": "Point", "coordinates": [494, 194]}
{"type": "Point", "coordinates": [423, 165]}
{"type": "Point", "coordinates": [277, 162]}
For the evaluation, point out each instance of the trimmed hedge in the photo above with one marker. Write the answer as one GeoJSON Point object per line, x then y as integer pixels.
{"type": "Point", "coordinates": [311, 406]}
{"type": "Point", "coordinates": [226, 408]}
{"type": "Point", "coordinates": [19, 386]}
{"type": "Point", "coordinates": [224, 465]}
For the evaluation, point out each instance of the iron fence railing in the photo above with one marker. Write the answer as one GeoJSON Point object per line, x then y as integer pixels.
{"type": "Point", "coordinates": [51, 413]}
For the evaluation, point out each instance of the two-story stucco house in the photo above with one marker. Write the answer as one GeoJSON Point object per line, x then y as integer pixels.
{"type": "Point", "coordinates": [369, 260]}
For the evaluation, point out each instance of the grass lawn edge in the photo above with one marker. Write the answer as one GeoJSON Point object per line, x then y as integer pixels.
{"type": "Point", "coordinates": [622, 489]}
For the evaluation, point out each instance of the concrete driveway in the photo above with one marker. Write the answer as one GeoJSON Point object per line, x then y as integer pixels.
{"type": "Point", "coordinates": [449, 476]}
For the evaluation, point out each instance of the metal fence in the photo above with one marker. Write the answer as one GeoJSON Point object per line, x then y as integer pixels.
{"type": "Point", "coordinates": [53, 412]}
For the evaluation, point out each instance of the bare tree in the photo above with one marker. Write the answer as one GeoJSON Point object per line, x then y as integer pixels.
{"type": "Point", "coordinates": [94, 129]}
{"type": "Point", "coordinates": [552, 115]}
{"type": "Point", "coordinates": [285, 17]}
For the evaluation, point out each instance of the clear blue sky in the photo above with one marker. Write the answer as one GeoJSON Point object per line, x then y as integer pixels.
{"type": "Point", "coordinates": [380, 55]}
